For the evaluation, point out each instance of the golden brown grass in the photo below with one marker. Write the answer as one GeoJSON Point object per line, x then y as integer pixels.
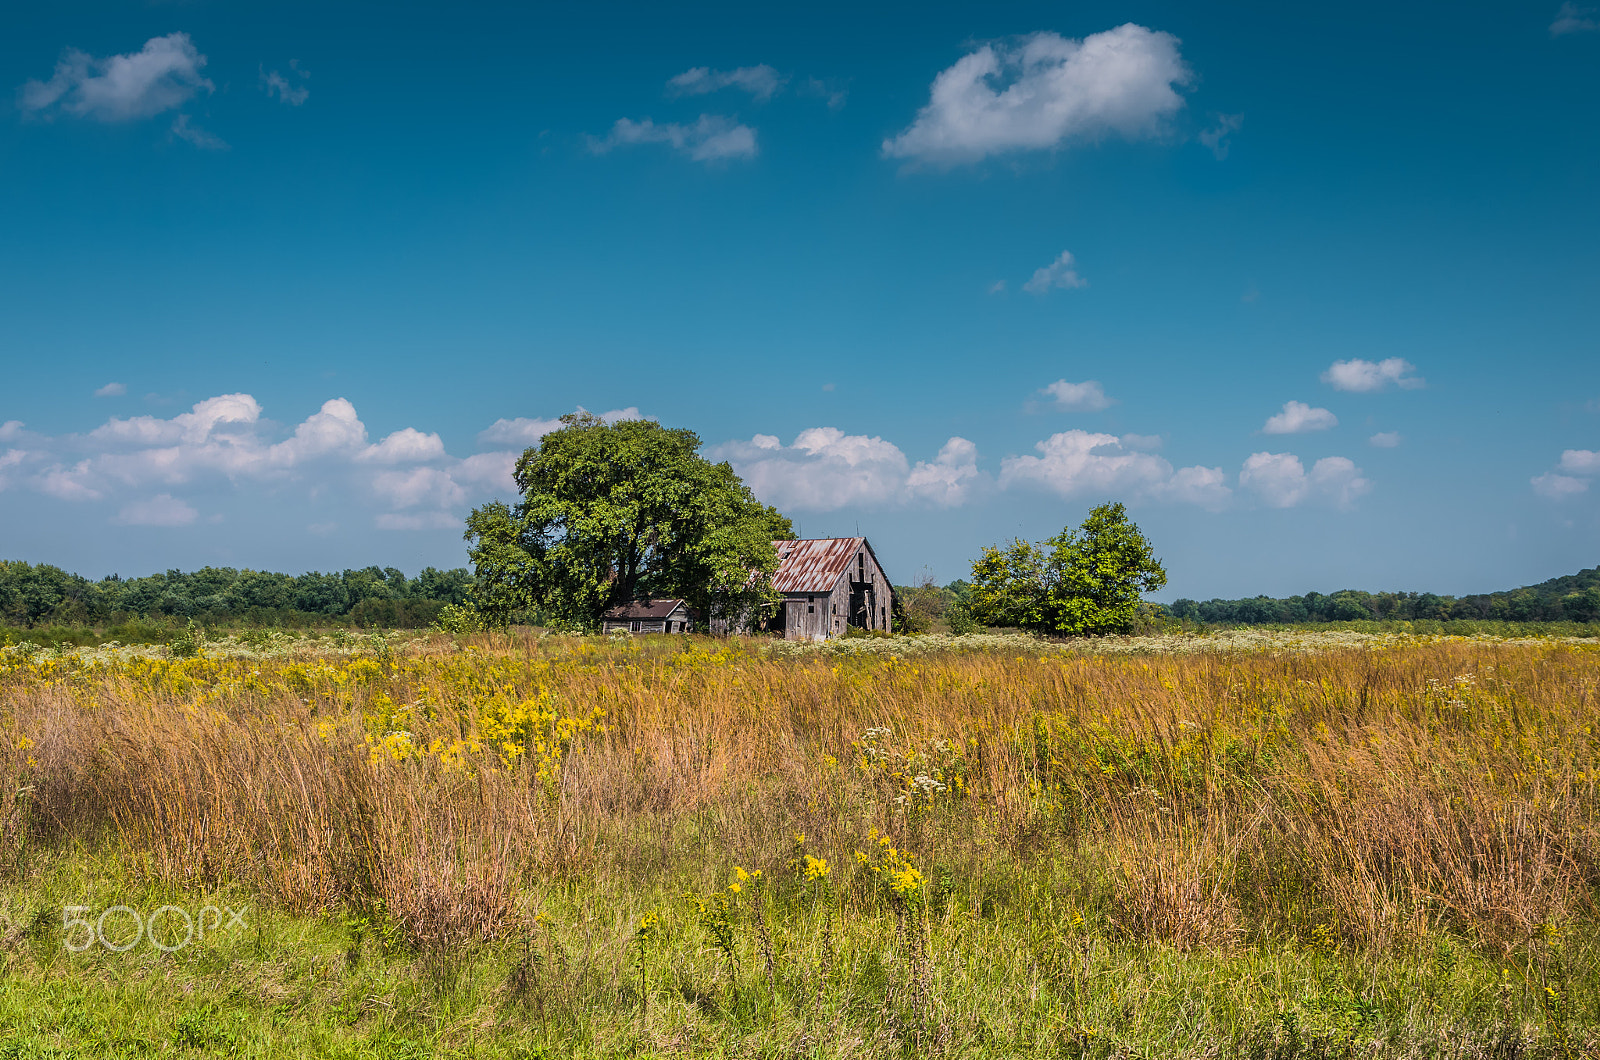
{"type": "Point", "coordinates": [1374, 792]}
{"type": "Point", "coordinates": [1359, 800]}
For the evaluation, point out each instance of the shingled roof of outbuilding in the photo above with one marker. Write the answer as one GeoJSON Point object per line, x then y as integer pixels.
{"type": "Point", "coordinates": [644, 609]}
{"type": "Point", "coordinates": [814, 566]}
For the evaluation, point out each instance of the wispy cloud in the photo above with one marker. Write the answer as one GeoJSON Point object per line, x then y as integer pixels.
{"type": "Point", "coordinates": [1385, 440]}
{"type": "Point", "coordinates": [424, 521]}
{"type": "Point", "coordinates": [1061, 273]}
{"type": "Point", "coordinates": [1574, 19]}
{"type": "Point", "coordinates": [111, 390]}
{"type": "Point", "coordinates": [760, 81]}
{"type": "Point", "coordinates": [712, 138]}
{"type": "Point", "coordinates": [206, 141]}
{"type": "Point", "coordinates": [292, 92]}
{"type": "Point", "coordinates": [1219, 136]}
{"type": "Point", "coordinates": [1297, 418]}
{"type": "Point", "coordinates": [161, 76]}
{"type": "Point", "coordinates": [525, 432]}
{"type": "Point", "coordinates": [161, 510]}
{"type": "Point", "coordinates": [833, 93]}
{"type": "Point", "coordinates": [1046, 90]}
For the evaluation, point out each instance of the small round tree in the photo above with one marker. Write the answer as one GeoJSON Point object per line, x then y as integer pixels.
{"type": "Point", "coordinates": [1083, 582]}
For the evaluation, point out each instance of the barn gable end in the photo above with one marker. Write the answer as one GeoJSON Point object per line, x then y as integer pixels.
{"type": "Point", "coordinates": [830, 585]}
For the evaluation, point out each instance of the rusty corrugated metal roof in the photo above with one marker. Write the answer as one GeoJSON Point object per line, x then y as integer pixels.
{"type": "Point", "coordinates": [813, 566]}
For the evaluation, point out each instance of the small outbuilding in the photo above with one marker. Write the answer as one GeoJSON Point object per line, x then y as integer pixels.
{"type": "Point", "coordinates": [829, 585]}
{"type": "Point", "coordinates": [647, 616]}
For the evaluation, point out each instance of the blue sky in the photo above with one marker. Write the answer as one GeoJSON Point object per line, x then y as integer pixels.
{"type": "Point", "coordinates": [1313, 290]}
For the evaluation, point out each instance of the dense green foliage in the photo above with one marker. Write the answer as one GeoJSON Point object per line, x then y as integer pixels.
{"type": "Point", "coordinates": [929, 608]}
{"type": "Point", "coordinates": [614, 512]}
{"type": "Point", "coordinates": [1570, 598]}
{"type": "Point", "coordinates": [35, 595]}
{"type": "Point", "coordinates": [1084, 582]}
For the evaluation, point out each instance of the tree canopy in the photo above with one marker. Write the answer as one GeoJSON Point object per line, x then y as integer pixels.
{"type": "Point", "coordinates": [614, 512]}
{"type": "Point", "coordinates": [32, 595]}
{"type": "Point", "coordinates": [1082, 582]}
{"type": "Point", "coordinates": [1570, 598]}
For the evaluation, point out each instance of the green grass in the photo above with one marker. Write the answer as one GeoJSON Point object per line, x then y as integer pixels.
{"type": "Point", "coordinates": [1370, 849]}
{"type": "Point", "coordinates": [1020, 972]}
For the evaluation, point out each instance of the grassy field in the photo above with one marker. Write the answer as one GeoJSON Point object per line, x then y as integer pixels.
{"type": "Point", "coordinates": [1254, 844]}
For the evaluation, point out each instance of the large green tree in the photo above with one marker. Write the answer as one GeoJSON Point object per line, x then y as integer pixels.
{"type": "Point", "coordinates": [613, 512]}
{"type": "Point", "coordinates": [1082, 582]}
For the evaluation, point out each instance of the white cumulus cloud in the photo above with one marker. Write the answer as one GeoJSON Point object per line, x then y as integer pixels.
{"type": "Point", "coordinates": [760, 81]}
{"type": "Point", "coordinates": [9, 460]}
{"type": "Point", "coordinates": [1580, 462]}
{"type": "Point", "coordinates": [1552, 486]}
{"type": "Point", "coordinates": [431, 486]}
{"type": "Point", "coordinates": [226, 441]}
{"type": "Point", "coordinates": [823, 470]}
{"type": "Point", "coordinates": [826, 469]}
{"type": "Point", "coordinates": [163, 75]}
{"type": "Point", "coordinates": [1046, 90]}
{"type": "Point", "coordinates": [1366, 377]}
{"type": "Point", "coordinates": [334, 429]}
{"type": "Point", "coordinates": [111, 390]}
{"type": "Point", "coordinates": [1385, 439]}
{"type": "Point", "coordinates": [1280, 480]}
{"type": "Point", "coordinates": [405, 446]}
{"type": "Point", "coordinates": [1061, 273]}
{"type": "Point", "coordinates": [712, 138]}
{"type": "Point", "coordinates": [490, 472]}
{"type": "Point", "coordinates": [1087, 396]}
{"type": "Point", "coordinates": [1205, 487]}
{"type": "Point", "coordinates": [1076, 463]}
{"type": "Point", "coordinates": [1571, 475]}
{"type": "Point", "coordinates": [161, 510]}
{"type": "Point", "coordinates": [193, 426]}
{"type": "Point", "coordinates": [949, 479]}
{"type": "Point", "coordinates": [1297, 418]}
{"type": "Point", "coordinates": [69, 483]}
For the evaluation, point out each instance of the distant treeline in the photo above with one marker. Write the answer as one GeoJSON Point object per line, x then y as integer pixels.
{"type": "Point", "coordinates": [42, 595]}
{"type": "Point", "coordinates": [34, 595]}
{"type": "Point", "coordinates": [1570, 598]}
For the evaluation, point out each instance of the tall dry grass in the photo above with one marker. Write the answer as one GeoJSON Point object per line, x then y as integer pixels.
{"type": "Point", "coordinates": [1362, 798]}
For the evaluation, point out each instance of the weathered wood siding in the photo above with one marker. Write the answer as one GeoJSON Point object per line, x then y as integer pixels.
{"type": "Point", "coordinates": [817, 616]}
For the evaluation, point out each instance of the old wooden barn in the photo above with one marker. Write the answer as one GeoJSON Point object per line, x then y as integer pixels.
{"type": "Point", "coordinates": [829, 585]}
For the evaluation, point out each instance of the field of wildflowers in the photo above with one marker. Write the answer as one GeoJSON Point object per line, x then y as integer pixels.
{"type": "Point", "coordinates": [1250, 844]}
